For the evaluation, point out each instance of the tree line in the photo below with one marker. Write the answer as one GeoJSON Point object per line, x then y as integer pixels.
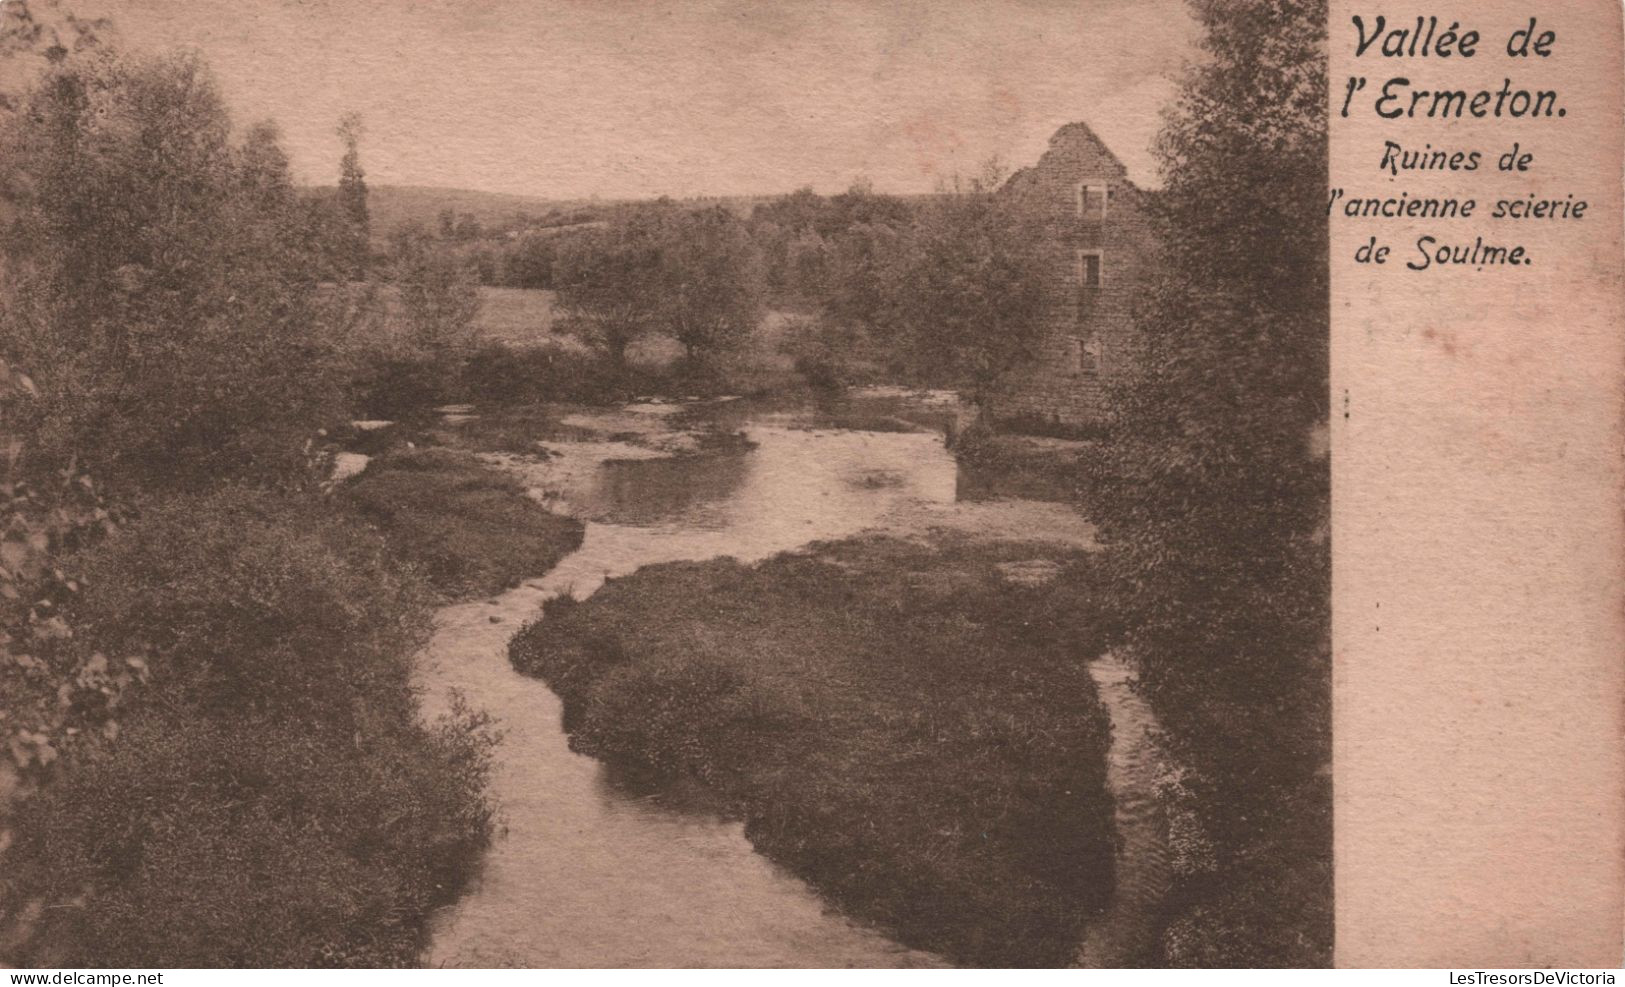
{"type": "Point", "coordinates": [943, 289]}
{"type": "Point", "coordinates": [210, 749]}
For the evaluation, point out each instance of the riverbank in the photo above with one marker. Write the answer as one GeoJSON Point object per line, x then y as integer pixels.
{"type": "Point", "coordinates": [911, 728]}
{"type": "Point", "coordinates": [262, 787]}
{"type": "Point", "coordinates": [469, 528]}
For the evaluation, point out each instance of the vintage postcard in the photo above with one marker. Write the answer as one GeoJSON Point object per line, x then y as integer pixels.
{"type": "Point", "coordinates": [724, 484]}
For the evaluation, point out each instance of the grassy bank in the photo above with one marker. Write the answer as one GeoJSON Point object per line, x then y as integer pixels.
{"type": "Point", "coordinates": [1005, 464]}
{"type": "Point", "coordinates": [1259, 898]}
{"type": "Point", "coordinates": [266, 795]}
{"type": "Point", "coordinates": [471, 530]}
{"type": "Point", "coordinates": [898, 724]}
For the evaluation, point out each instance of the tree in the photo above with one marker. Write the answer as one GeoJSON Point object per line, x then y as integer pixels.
{"type": "Point", "coordinates": [1212, 494]}
{"type": "Point", "coordinates": [608, 286]}
{"type": "Point", "coordinates": [530, 261]}
{"type": "Point", "coordinates": [157, 282]}
{"type": "Point", "coordinates": [710, 283]}
{"type": "Point", "coordinates": [418, 347]}
{"type": "Point", "coordinates": [865, 273]}
{"type": "Point", "coordinates": [352, 199]}
{"type": "Point", "coordinates": [36, 34]}
{"type": "Point", "coordinates": [971, 293]}
{"type": "Point", "coordinates": [439, 293]}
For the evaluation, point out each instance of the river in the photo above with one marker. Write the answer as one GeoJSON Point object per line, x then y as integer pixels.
{"type": "Point", "coordinates": [590, 870]}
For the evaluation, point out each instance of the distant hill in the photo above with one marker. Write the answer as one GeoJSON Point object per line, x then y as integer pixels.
{"type": "Point", "coordinates": [395, 206]}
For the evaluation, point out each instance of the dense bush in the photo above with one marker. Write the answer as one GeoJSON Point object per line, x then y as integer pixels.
{"type": "Point", "coordinates": [159, 280]}
{"type": "Point", "coordinates": [900, 726]}
{"type": "Point", "coordinates": [831, 355]}
{"type": "Point", "coordinates": [1214, 487]}
{"type": "Point", "coordinates": [273, 801]}
{"type": "Point", "coordinates": [408, 386]}
{"type": "Point", "coordinates": [469, 528]}
{"type": "Point", "coordinates": [258, 841]}
{"type": "Point", "coordinates": [54, 694]}
{"type": "Point", "coordinates": [998, 464]}
{"type": "Point", "coordinates": [211, 689]}
{"type": "Point", "coordinates": [504, 375]}
{"type": "Point", "coordinates": [250, 603]}
{"type": "Point", "coordinates": [401, 386]}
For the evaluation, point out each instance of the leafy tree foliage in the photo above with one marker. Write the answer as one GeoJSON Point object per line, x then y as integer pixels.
{"type": "Point", "coordinates": [210, 694]}
{"type": "Point", "coordinates": [710, 282]}
{"type": "Point", "coordinates": [950, 287]}
{"type": "Point", "coordinates": [1215, 489]}
{"type": "Point", "coordinates": [352, 196]}
{"type": "Point", "coordinates": [35, 34]}
{"type": "Point", "coordinates": [57, 694]}
{"type": "Point", "coordinates": [439, 292]}
{"type": "Point", "coordinates": [157, 281]}
{"type": "Point", "coordinates": [866, 274]}
{"type": "Point", "coordinates": [836, 251]}
{"type": "Point", "coordinates": [971, 292]}
{"type": "Point", "coordinates": [694, 275]}
{"type": "Point", "coordinates": [273, 799]}
{"type": "Point", "coordinates": [409, 357]}
{"type": "Point", "coordinates": [529, 263]}
{"type": "Point", "coordinates": [608, 285]}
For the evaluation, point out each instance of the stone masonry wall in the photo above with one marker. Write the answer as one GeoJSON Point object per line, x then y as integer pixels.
{"type": "Point", "coordinates": [1053, 390]}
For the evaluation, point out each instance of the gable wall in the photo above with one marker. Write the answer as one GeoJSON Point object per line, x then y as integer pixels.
{"type": "Point", "coordinates": [1050, 391]}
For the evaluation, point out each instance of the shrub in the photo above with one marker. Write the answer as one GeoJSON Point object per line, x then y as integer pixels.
{"type": "Point", "coordinates": [250, 603]}
{"type": "Point", "coordinates": [830, 355]}
{"type": "Point", "coordinates": [993, 465]}
{"type": "Point", "coordinates": [469, 528]}
{"type": "Point", "coordinates": [202, 842]}
{"type": "Point", "coordinates": [401, 386]}
{"type": "Point", "coordinates": [273, 801]}
{"type": "Point", "coordinates": [503, 375]}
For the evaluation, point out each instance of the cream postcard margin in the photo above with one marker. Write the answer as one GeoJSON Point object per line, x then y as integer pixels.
{"type": "Point", "coordinates": [1476, 461]}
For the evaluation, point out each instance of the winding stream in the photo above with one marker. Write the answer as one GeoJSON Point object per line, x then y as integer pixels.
{"type": "Point", "coordinates": [592, 871]}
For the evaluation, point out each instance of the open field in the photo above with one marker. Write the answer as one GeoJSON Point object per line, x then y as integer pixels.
{"type": "Point", "coordinates": [518, 317]}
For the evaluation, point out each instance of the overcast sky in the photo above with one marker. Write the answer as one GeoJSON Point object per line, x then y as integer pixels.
{"type": "Point", "coordinates": [619, 98]}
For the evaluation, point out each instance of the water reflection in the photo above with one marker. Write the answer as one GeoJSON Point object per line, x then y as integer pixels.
{"type": "Point", "coordinates": [694, 490]}
{"type": "Point", "coordinates": [601, 866]}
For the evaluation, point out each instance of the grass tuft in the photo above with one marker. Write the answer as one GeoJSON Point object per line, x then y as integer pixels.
{"type": "Point", "coordinates": [471, 529]}
{"type": "Point", "coordinates": [898, 725]}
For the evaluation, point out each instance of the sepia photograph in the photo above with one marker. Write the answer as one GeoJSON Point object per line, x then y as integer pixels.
{"type": "Point", "coordinates": [697, 483]}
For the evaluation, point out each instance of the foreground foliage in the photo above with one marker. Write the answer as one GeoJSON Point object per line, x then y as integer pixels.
{"type": "Point", "coordinates": [272, 800]}
{"type": "Point", "coordinates": [159, 278]}
{"type": "Point", "coordinates": [214, 753]}
{"type": "Point", "coordinates": [1214, 488]}
{"type": "Point", "coordinates": [910, 733]}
